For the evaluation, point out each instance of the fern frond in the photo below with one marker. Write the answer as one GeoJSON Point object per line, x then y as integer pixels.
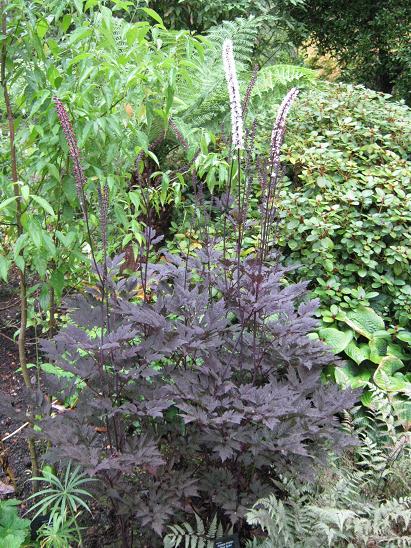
{"type": "Point", "coordinates": [200, 537]}
{"type": "Point", "coordinates": [272, 76]}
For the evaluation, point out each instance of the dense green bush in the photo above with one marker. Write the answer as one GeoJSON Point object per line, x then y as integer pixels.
{"type": "Point", "coordinates": [345, 207]}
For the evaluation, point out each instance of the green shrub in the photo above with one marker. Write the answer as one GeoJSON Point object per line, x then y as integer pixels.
{"type": "Point", "coordinates": [346, 208]}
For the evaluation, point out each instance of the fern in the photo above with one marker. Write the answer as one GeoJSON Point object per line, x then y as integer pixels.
{"type": "Point", "coordinates": [185, 535]}
{"type": "Point", "coordinates": [271, 77]}
{"type": "Point", "coordinates": [202, 93]}
{"type": "Point", "coordinates": [362, 499]}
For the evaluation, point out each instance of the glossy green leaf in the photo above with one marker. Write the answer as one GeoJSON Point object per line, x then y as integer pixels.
{"type": "Point", "coordinates": [405, 336]}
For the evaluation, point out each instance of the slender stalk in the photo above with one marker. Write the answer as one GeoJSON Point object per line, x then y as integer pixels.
{"type": "Point", "coordinates": [19, 228]}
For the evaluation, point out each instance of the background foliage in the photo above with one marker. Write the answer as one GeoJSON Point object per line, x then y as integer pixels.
{"type": "Point", "coordinates": [370, 39]}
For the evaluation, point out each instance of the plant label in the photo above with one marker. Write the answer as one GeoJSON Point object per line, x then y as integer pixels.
{"type": "Point", "coordinates": [227, 542]}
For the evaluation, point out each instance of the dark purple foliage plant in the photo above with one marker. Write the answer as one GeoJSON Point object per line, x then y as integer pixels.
{"type": "Point", "coordinates": [201, 385]}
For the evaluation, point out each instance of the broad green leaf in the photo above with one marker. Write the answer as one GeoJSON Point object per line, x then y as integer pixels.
{"type": "Point", "coordinates": [79, 34]}
{"type": "Point", "coordinates": [397, 351]}
{"type": "Point", "coordinates": [367, 398]}
{"type": "Point", "coordinates": [39, 262]}
{"type": "Point", "coordinates": [43, 203]}
{"type": "Point", "coordinates": [137, 32]}
{"type": "Point", "coordinates": [39, 102]}
{"type": "Point", "coordinates": [135, 200]}
{"type": "Point", "coordinates": [384, 375]}
{"type": "Point", "coordinates": [57, 282]}
{"type": "Point", "coordinates": [51, 369]}
{"type": "Point", "coordinates": [405, 336]}
{"type": "Point", "coordinates": [20, 263]}
{"type": "Point", "coordinates": [337, 340]}
{"type": "Point", "coordinates": [358, 352]}
{"type": "Point", "coordinates": [25, 192]}
{"type": "Point", "coordinates": [20, 243]}
{"type": "Point", "coordinates": [41, 28]}
{"type": "Point", "coordinates": [49, 244]}
{"type": "Point", "coordinates": [364, 320]}
{"type": "Point", "coordinates": [350, 376]}
{"type": "Point", "coordinates": [79, 57]}
{"type": "Point", "coordinates": [35, 232]}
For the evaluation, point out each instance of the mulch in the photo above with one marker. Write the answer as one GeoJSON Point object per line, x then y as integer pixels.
{"type": "Point", "coordinates": [13, 451]}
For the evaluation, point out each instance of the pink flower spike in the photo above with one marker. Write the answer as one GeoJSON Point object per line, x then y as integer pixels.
{"type": "Point", "coordinates": [73, 149]}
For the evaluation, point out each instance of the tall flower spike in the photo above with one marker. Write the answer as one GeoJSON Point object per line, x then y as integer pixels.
{"type": "Point", "coordinates": [234, 94]}
{"type": "Point", "coordinates": [277, 135]}
{"type": "Point", "coordinates": [73, 150]}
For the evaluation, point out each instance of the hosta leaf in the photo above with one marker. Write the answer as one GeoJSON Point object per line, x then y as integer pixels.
{"type": "Point", "coordinates": [336, 339]}
{"type": "Point", "coordinates": [384, 376]}
{"type": "Point", "coordinates": [364, 320]}
{"type": "Point", "coordinates": [350, 376]}
{"type": "Point", "coordinates": [358, 352]}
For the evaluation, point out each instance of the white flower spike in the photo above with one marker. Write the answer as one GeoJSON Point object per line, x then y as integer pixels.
{"type": "Point", "coordinates": [234, 94]}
